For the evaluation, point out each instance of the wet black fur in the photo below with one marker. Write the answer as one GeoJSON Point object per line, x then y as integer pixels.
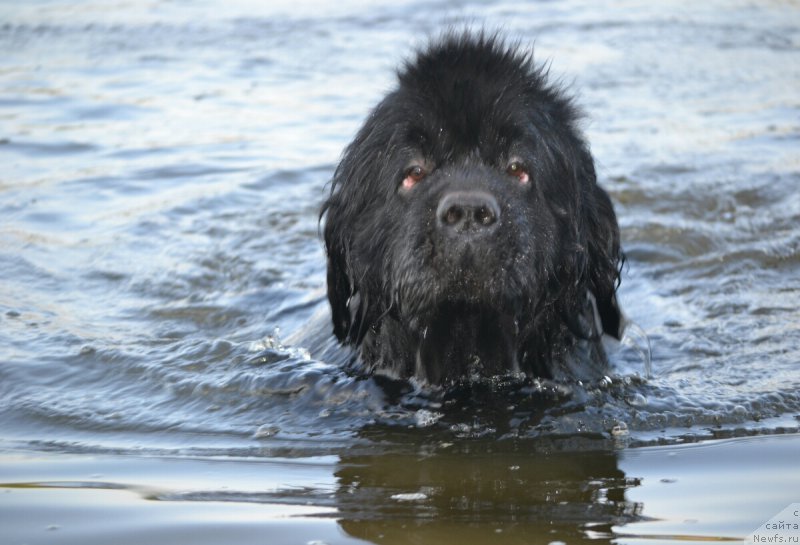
{"type": "Point", "coordinates": [534, 297]}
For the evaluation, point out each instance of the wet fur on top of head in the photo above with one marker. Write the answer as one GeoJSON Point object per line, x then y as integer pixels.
{"type": "Point", "coordinates": [533, 296]}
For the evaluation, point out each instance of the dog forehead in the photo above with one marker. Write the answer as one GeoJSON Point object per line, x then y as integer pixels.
{"type": "Point", "coordinates": [467, 94]}
{"type": "Point", "coordinates": [467, 57]}
{"type": "Point", "coordinates": [464, 124]}
{"type": "Point", "coordinates": [465, 98]}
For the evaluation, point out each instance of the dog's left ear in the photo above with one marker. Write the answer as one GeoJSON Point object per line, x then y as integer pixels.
{"type": "Point", "coordinates": [604, 255]}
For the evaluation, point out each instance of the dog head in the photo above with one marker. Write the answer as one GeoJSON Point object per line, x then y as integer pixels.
{"type": "Point", "coordinates": [467, 206]}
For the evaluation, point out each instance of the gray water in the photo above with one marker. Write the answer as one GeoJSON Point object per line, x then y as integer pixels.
{"type": "Point", "coordinates": [163, 164]}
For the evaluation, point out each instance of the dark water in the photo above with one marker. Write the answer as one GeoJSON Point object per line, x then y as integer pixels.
{"type": "Point", "coordinates": [162, 280]}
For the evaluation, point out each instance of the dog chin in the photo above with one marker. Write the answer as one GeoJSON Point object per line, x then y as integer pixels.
{"type": "Point", "coordinates": [463, 340]}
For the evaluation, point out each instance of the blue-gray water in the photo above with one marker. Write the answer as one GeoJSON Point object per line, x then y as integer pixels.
{"type": "Point", "coordinates": [163, 164]}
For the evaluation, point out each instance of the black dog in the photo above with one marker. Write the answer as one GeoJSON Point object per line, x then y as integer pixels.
{"type": "Point", "coordinates": [465, 232]}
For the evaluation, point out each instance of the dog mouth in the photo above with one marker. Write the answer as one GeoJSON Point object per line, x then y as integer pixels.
{"type": "Point", "coordinates": [451, 284]}
{"type": "Point", "coordinates": [466, 290]}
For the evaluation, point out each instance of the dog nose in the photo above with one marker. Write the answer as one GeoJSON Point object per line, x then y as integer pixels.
{"type": "Point", "coordinates": [463, 211]}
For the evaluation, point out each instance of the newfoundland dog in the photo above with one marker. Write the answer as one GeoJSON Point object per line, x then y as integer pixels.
{"type": "Point", "coordinates": [465, 232]}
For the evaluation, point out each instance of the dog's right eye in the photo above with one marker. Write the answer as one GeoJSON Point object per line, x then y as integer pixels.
{"type": "Point", "coordinates": [413, 175]}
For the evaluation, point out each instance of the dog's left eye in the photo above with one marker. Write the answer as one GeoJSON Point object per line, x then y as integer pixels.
{"type": "Point", "coordinates": [518, 170]}
{"type": "Point", "coordinates": [413, 175]}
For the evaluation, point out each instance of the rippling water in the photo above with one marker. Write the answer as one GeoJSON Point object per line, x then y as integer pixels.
{"type": "Point", "coordinates": [162, 277]}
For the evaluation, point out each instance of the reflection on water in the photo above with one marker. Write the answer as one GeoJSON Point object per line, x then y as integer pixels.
{"type": "Point", "coordinates": [572, 490]}
{"type": "Point", "coordinates": [481, 492]}
{"type": "Point", "coordinates": [162, 278]}
{"type": "Point", "coordinates": [442, 493]}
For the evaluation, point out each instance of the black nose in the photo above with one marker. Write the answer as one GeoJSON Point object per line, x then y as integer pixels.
{"type": "Point", "coordinates": [467, 211]}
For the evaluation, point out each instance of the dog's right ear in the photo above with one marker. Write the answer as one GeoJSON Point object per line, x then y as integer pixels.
{"type": "Point", "coordinates": [352, 228]}
{"type": "Point", "coordinates": [343, 215]}
{"type": "Point", "coordinates": [341, 288]}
